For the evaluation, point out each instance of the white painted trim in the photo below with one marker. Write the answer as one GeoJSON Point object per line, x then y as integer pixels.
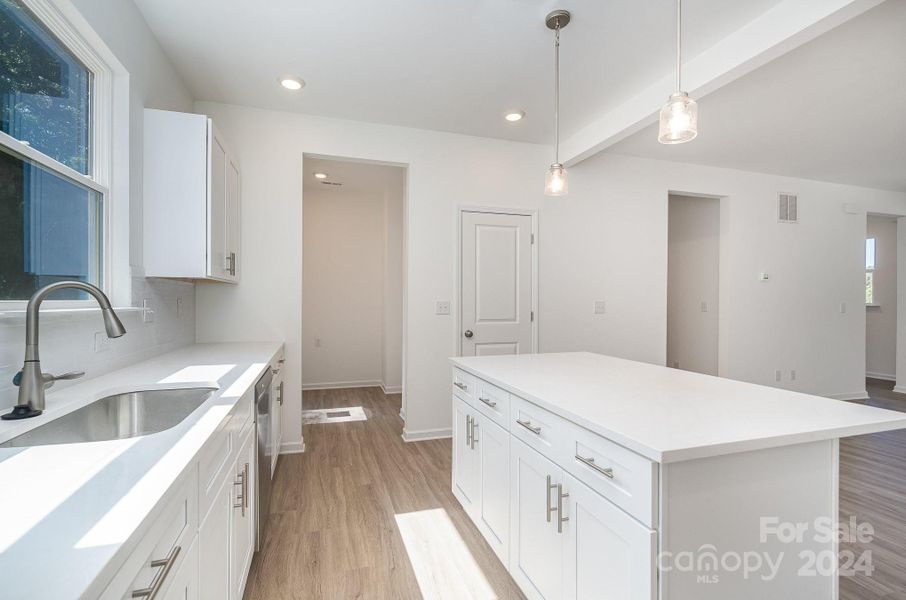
{"type": "Point", "coordinates": [391, 389]}
{"type": "Point", "coordinates": [427, 434]}
{"type": "Point", "coordinates": [403, 415]}
{"type": "Point", "coordinates": [457, 270]}
{"type": "Point", "coordinates": [849, 396]}
{"type": "Point", "coordinates": [883, 376]}
{"type": "Point", "coordinates": [296, 447]}
{"type": "Point", "coordinates": [333, 385]}
{"type": "Point", "coordinates": [900, 389]}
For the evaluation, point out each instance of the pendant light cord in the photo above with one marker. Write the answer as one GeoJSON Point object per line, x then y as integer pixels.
{"type": "Point", "coordinates": [679, 44]}
{"type": "Point", "coordinates": [557, 93]}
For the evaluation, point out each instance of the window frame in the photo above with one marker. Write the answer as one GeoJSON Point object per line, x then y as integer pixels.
{"type": "Point", "coordinates": [101, 143]}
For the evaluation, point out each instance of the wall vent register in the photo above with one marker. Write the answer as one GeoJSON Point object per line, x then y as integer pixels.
{"type": "Point", "coordinates": [788, 208]}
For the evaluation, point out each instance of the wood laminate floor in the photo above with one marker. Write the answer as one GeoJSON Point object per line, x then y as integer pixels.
{"type": "Point", "coordinates": [363, 515]}
{"type": "Point", "coordinates": [361, 512]}
{"type": "Point", "coordinates": [873, 489]}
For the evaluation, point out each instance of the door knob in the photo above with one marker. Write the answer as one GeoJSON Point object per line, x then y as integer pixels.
{"type": "Point", "coordinates": [468, 333]}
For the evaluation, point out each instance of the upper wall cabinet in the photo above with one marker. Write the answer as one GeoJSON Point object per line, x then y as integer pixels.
{"type": "Point", "coordinates": [191, 199]}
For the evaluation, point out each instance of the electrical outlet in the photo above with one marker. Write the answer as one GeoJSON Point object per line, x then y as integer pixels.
{"type": "Point", "coordinates": [600, 307]}
{"type": "Point", "coordinates": [704, 307]}
{"type": "Point", "coordinates": [101, 341]}
{"type": "Point", "coordinates": [442, 307]}
{"type": "Point", "coordinates": [317, 342]}
{"type": "Point", "coordinates": [778, 375]}
{"type": "Point", "coordinates": [764, 276]}
{"type": "Point", "coordinates": [147, 313]}
{"type": "Point", "coordinates": [178, 308]}
{"type": "Point", "coordinates": [843, 308]}
{"type": "Point", "coordinates": [793, 375]}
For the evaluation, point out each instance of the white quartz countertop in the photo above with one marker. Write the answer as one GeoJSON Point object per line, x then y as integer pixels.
{"type": "Point", "coordinates": [670, 415]}
{"type": "Point", "coordinates": [71, 513]}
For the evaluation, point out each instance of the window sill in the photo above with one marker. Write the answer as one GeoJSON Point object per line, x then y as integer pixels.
{"type": "Point", "coordinates": [16, 316]}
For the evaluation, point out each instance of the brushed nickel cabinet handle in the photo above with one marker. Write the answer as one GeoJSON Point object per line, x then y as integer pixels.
{"type": "Point", "coordinates": [560, 518]}
{"type": "Point", "coordinates": [164, 564]}
{"type": "Point", "coordinates": [461, 386]}
{"type": "Point", "coordinates": [550, 509]}
{"type": "Point", "coordinates": [488, 401]}
{"type": "Point", "coordinates": [241, 482]}
{"type": "Point", "coordinates": [528, 425]}
{"type": "Point", "coordinates": [474, 439]}
{"type": "Point", "coordinates": [590, 462]}
{"type": "Point", "coordinates": [468, 431]}
{"type": "Point", "coordinates": [280, 393]}
{"type": "Point", "coordinates": [245, 488]}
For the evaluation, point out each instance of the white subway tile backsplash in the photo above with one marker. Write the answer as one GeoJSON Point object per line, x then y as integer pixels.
{"type": "Point", "coordinates": [67, 337]}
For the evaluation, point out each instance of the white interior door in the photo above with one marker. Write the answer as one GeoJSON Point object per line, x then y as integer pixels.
{"type": "Point", "coordinates": [496, 284]}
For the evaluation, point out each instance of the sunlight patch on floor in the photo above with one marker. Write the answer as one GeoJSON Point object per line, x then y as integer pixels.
{"type": "Point", "coordinates": [443, 565]}
{"type": "Point", "coordinates": [333, 415]}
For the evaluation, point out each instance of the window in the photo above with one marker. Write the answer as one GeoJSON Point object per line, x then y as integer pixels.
{"type": "Point", "coordinates": [869, 271]}
{"type": "Point", "coordinates": [52, 187]}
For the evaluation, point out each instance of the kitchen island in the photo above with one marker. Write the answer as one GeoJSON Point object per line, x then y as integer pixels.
{"type": "Point", "coordinates": [593, 476]}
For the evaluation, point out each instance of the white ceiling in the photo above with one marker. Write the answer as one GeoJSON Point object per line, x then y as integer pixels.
{"type": "Point", "coordinates": [450, 65]}
{"type": "Point", "coordinates": [833, 109]}
{"type": "Point", "coordinates": [355, 176]}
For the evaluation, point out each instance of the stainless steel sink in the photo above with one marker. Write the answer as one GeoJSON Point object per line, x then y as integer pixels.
{"type": "Point", "coordinates": [116, 417]}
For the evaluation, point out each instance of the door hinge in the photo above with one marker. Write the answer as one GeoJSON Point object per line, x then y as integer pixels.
{"type": "Point", "coordinates": [532, 314]}
{"type": "Point", "coordinates": [533, 239]}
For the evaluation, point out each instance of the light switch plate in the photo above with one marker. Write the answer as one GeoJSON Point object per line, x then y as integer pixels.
{"type": "Point", "coordinates": [442, 307]}
{"type": "Point", "coordinates": [600, 307]}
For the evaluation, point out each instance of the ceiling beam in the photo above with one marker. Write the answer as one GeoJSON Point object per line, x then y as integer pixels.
{"type": "Point", "coordinates": [786, 26]}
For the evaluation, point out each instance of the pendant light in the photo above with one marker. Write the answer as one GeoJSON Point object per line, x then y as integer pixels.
{"type": "Point", "coordinates": [679, 116]}
{"type": "Point", "coordinates": [555, 182]}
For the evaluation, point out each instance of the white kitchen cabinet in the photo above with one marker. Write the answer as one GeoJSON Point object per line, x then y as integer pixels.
{"type": "Point", "coordinates": [191, 199]}
{"type": "Point", "coordinates": [183, 584]}
{"type": "Point", "coordinates": [214, 545]}
{"type": "Point", "coordinates": [493, 507]}
{"type": "Point", "coordinates": [466, 465]}
{"type": "Point", "coordinates": [242, 539]}
{"type": "Point", "coordinates": [605, 549]}
{"type": "Point", "coordinates": [537, 546]}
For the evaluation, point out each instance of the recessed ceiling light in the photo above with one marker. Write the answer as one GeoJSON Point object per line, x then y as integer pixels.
{"type": "Point", "coordinates": [321, 175]}
{"type": "Point", "coordinates": [292, 83]}
{"type": "Point", "coordinates": [514, 116]}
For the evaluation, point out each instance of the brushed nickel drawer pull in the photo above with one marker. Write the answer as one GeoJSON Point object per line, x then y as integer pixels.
{"type": "Point", "coordinates": [488, 401]}
{"type": "Point", "coordinates": [528, 425]}
{"type": "Point", "coordinates": [590, 462]}
{"type": "Point", "coordinates": [550, 509]}
{"type": "Point", "coordinates": [461, 386]}
{"type": "Point", "coordinates": [468, 431]}
{"type": "Point", "coordinates": [560, 518]}
{"type": "Point", "coordinates": [164, 564]}
{"type": "Point", "coordinates": [474, 439]}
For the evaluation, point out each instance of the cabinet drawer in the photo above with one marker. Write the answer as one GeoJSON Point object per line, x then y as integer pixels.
{"type": "Point", "coordinates": [162, 551]}
{"type": "Point", "coordinates": [214, 462]}
{"type": "Point", "coordinates": [463, 384]}
{"type": "Point", "coordinates": [242, 412]}
{"type": "Point", "coordinates": [493, 402]}
{"type": "Point", "coordinates": [540, 429]}
{"type": "Point", "coordinates": [620, 475]}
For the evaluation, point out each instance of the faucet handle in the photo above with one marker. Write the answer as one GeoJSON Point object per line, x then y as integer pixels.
{"type": "Point", "coordinates": [50, 379]}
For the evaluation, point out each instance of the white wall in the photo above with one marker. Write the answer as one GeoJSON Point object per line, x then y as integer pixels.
{"type": "Point", "coordinates": [68, 339]}
{"type": "Point", "coordinates": [881, 320]}
{"type": "Point", "coordinates": [343, 279]}
{"type": "Point", "coordinates": [693, 270]}
{"type": "Point", "coordinates": [444, 170]}
{"type": "Point", "coordinates": [612, 229]}
{"type": "Point", "coordinates": [392, 330]}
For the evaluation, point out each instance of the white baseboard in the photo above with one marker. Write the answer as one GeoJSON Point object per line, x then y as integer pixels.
{"type": "Point", "coordinates": [333, 385]}
{"type": "Point", "coordinates": [427, 434]}
{"type": "Point", "coordinates": [402, 414]}
{"type": "Point", "coordinates": [297, 447]}
{"type": "Point", "coordinates": [883, 376]}
{"type": "Point", "coordinates": [900, 389]}
{"type": "Point", "coordinates": [850, 396]}
{"type": "Point", "coordinates": [391, 389]}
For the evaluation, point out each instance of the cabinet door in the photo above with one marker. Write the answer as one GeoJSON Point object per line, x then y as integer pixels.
{"type": "Point", "coordinates": [217, 207]}
{"type": "Point", "coordinates": [493, 445]}
{"type": "Point", "coordinates": [214, 546]}
{"type": "Point", "coordinates": [183, 584]}
{"type": "Point", "coordinates": [466, 482]}
{"type": "Point", "coordinates": [608, 553]}
{"type": "Point", "coordinates": [233, 215]}
{"type": "Point", "coordinates": [243, 518]}
{"type": "Point", "coordinates": [536, 547]}
{"type": "Point", "coordinates": [277, 420]}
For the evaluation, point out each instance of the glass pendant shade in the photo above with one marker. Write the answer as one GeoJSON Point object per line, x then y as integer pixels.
{"type": "Point", "coordinates": [679, 119]}
{"type": "Point", "coordinates": [555, 181]}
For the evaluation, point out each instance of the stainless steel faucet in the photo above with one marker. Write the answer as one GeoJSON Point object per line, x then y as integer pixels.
{"type": "Point", "coordinates": [31, 381]}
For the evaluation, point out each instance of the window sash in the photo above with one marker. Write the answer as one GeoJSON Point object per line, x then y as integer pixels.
{"type": "Point", "coordinates": [100, 141]}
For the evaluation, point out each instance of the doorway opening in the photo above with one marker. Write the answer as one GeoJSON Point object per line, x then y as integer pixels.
{"type": "Point", "coordinates": [881, 297]}
{"type": "Point", "coordinates": [498, 266]}
{"type": "Point", "coordinates": [693, 282]}
{"type": "Point", "coordinates": [353, 255]}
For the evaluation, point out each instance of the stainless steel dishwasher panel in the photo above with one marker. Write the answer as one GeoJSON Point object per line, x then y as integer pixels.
{"type": "Point", "coordinates": [263, 468]}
